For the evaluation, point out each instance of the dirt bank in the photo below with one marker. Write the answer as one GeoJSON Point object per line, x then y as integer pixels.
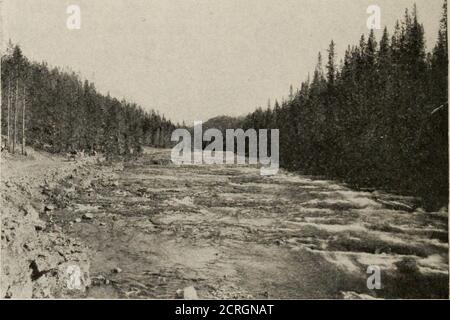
{"type": "Point", "coordinates": [37, 259]}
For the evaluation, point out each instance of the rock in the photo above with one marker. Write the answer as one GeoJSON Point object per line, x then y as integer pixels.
{"type": "Point", "coordinates": [30, 211]}
{"type": "Point", "coordinates": [77, 220]}
{"type": "Point", "coordinates": [73, 276]}
{"type": "Point", "coordinates": [179, 294]}
{"type": "Point", "coordinates": [40, 225]}
{"type": "Point", "coordinates": [443, 210]}
{"type": "Point", "coordinates": [420, 210]}
{"type": "Point", "coordinates": [407, 266]}
{"type": "Point", "coordinates": [351, 295]}
{"type": "Point", "coordinates": [102, 224]}
{"type": "Point", "coordinates": [117, 270]}
{"type": "Point", "coordinates": [88, 216]}
{"type": "Point", "coordinates": [49, 207]}
{"type": "Point", "coordinates": [99, 280]}
{"type": "Point", "coordinates": [396, 205]}
{"type": "Point", "coordinates": [189, 293]}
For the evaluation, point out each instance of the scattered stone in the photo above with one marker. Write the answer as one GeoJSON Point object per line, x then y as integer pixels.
{"type": "Point", "coordinates": [117, 270]}
{"type": "Point", "coordinates": [189, 293]}
{"type": "Point", "coordinates": [443, 210]}
{"type": "Point", "coordinates": [252, 229]}
{"type": "Point", "coordinates": [49, 207]}
{"type": "Point", "coordinates": [31, 211]}
{"type": "Point", "coordinates": [28, 246]}
{"type": "Point", "coordinates": [88, 216]}
{"type": "Point", "coordinates": [396, 205]}
{"type": "Point", "coordinates": [351, 295]}
{"type": "Point", "coordinates": [179, 294]}
{"type": "Point", "coordinates": [99, 280]}
{"type": "Point", "coordinates": [40, 225]}
{"type": "Point", "coordinates": [407, 265]}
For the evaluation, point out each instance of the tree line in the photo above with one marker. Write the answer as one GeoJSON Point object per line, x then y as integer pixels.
{"type": "Point", "coordinates": [52, 109]}
{"type": "Point", "coordinates": [379, 118]}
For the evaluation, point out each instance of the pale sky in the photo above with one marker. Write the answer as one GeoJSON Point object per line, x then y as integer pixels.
{"type": "Point", "coordinates": [195, 59]}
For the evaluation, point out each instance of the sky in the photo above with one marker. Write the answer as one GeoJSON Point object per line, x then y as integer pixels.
{"type": "Point", "coordinates": [196, 59]}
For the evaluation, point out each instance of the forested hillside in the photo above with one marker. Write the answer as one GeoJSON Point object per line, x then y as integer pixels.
{"type": "Point", "coordinates": [55, 110]}
{"type": "Point", "coordinates": [376, 119]}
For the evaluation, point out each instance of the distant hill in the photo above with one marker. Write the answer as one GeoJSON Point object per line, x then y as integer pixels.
{"type": "Point", "coordinates": [224, 122]}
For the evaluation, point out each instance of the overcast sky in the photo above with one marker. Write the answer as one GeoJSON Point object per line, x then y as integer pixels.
{"type": "Point", "coordinates": [195, 59]}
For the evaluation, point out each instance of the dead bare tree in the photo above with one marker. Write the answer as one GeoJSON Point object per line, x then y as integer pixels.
{"type": "Point", "coordinates": [16, 104]}
{"type": "Point", "coordinates": [23, 120]}
{"type": "Point", "coordinates": [8, 141]}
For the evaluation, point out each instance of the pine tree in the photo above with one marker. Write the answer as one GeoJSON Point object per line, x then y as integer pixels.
{"type": "Point", "coordinates": [439, 63]}
{"type": "Point", "coordinates": [331, 67]}
{"type": "Point", "coordinates": [369, 120]}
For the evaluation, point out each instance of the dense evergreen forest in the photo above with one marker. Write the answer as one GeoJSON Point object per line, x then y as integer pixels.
{"type": "Point", "coordinates": [378, 119]}
{"type": "Point", "coordinates": [55, 110]}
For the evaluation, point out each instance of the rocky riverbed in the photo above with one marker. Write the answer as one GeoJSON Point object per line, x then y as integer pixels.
{"type": "Point", "coordinates": [156, 230]}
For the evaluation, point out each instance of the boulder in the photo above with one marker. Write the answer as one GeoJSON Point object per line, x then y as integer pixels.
{"type": "Point", "coordinates": [189, 293]}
